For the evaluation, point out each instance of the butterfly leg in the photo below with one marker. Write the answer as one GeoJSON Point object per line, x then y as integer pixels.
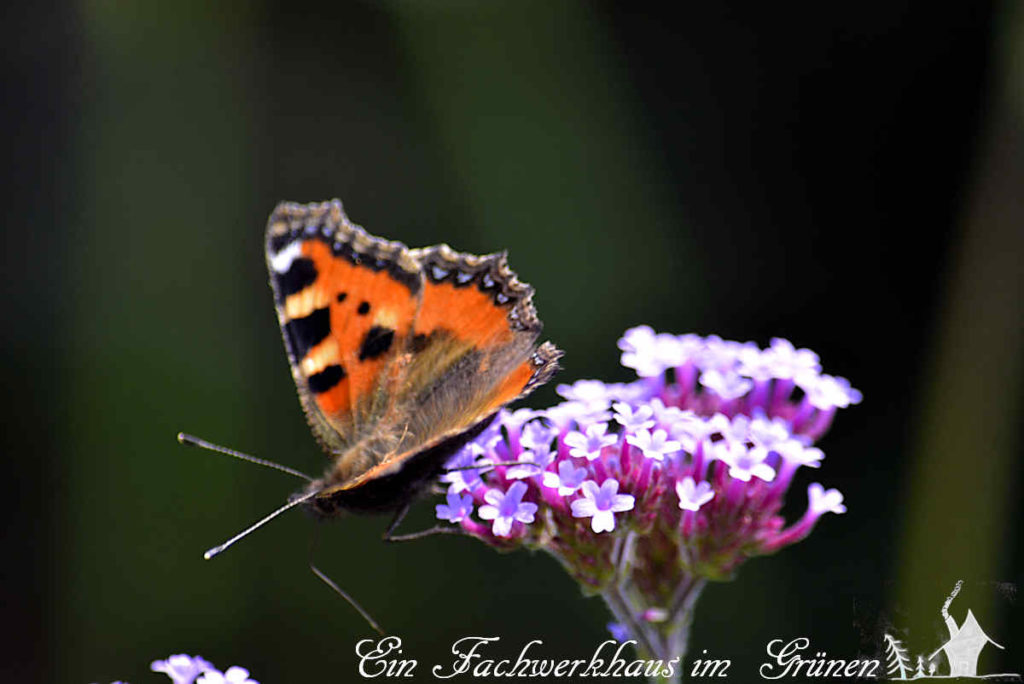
{"type": "Point", "coordinates": [390, 536]}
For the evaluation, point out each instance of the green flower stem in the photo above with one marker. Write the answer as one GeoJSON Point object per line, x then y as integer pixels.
{"type": "Point", "coordinates": [662, 638]}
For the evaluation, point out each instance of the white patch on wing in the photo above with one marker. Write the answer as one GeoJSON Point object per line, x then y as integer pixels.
{"type": "Point", "coordinates": [282, 261]}
{"type": "Point", "coordinates": [305, 302]}
{"type": "Point", "coordinates": [320, 357]}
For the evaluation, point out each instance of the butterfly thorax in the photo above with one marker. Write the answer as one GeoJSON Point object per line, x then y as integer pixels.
{"type": "Point", "coordinates": [388, 486]}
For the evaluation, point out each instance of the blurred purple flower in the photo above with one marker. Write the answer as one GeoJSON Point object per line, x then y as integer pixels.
{"type": "Point", "coordinates": [618, 632]}
{"type": "Point", "coordinates": [638, 418]}
{"type": "Point", "coordinates": [233, 675]}
{"type": "Point", "coordinates": [181, 668]}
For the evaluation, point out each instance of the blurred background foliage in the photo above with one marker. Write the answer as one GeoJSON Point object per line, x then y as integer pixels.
{"type": "Point", "coordinates": [847, 176]}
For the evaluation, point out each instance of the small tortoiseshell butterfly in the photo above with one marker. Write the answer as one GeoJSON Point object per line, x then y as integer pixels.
{"type": "Point", "coordinates": [400, 355]}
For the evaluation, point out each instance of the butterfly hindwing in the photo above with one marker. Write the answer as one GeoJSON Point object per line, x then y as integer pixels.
{"type": "Point", "coordinates": [473, 341]}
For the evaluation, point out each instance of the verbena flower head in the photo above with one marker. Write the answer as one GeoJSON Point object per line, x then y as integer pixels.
{"type": "Point", "coordinates": [184, 669]}
{"type": "Point", "coordinates": [645, 490]}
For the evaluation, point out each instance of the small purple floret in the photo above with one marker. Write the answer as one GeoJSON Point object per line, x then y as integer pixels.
{"type": "Point", "coordinates": [692, 495]}
{"type": "Point", "coordinates": [639, 418]}
{"type": "Point", "coordinates": [588, 444]}
{"type": "Point", "coordinates": [181, 668]}
{"type": "Point", "coordinates": [533, 462]}
{"type": "Point", "coordinates": [825, 501]}
{"type": "Point", "coordinates": [233, 675]}
{"type": "Point", "coordinates": [505, 508]}
{"type": "Point", "coordinates": [457, 507]}
{"type": "Point", "coordinates": [567, 480]}
{"type": "Point", "coordinates": [744, 463]}
{"type": "Point", "coordinates": [825, 392]}
{"type": "Point", "coordinates": [655, 445]}
{"type": "Point", "coordinates": [726, 384]}
{"type": "Point", "coordinates": [601, 503]}
{"type": "Point", "coordinates": [618, 632]}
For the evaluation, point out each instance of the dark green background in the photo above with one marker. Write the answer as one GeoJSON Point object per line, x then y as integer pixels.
{"type": "Point", "coordinates": [849, 178]}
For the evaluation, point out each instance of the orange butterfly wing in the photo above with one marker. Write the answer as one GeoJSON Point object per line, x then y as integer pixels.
{"type": "Point", "coordinates": [346, 303]}
{"type": "Point", "coordinates": [396, 350]}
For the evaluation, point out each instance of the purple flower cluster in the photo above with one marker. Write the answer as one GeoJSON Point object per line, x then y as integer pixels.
{"type": "Point", "coordinates": [673, 479]}
{"type": "Point", "coordinates": [184, 669]}
{"type": "Point", "coordinates": [720, 441]}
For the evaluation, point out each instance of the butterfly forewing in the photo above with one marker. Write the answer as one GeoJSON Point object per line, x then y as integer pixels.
{"type": "Point", "coordinates": [395, 351]}
{"type": "Point", "coordinates": [346, 303]}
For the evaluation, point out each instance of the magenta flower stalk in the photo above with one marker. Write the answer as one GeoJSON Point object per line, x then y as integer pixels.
{"type": "Point", "coordinates": [645, 491]}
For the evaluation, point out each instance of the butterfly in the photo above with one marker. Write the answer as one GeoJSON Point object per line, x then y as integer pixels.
{"type": "Point", "coordinates": [400, 356]}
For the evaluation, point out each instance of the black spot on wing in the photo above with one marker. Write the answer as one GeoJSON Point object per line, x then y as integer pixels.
{"type": "Point", "coordinates": [363, 309]}
{"type": "Point", "coordinates": [326, 379]}
{"type": "Point", "coordinates": [307, 332]}
{"type": "Point", "coordinates": [377, 342]}
{"type": "Point", "coordinates": [301, 275]}
{"type": "Point", "coordinates": [341, 296]}
{"type": "Point", "coordinates": [419, 343]}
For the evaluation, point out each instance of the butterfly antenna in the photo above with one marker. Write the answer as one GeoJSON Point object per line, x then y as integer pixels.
{"type": "Point", "coordinates": [216, 550]}
{"type": "Point", "coordinates": [351, 601]}
{"type": "Point", "coordinates": [190, 440]}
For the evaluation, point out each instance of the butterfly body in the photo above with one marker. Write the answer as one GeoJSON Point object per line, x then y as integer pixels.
{"type": "Point", "coordinates": [400, 356]}
{"type": "Point", "coordinates": [391, 491]}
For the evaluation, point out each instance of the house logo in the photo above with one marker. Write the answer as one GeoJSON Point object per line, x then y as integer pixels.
{"type": "Point", "coordinates": [966, 642]}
